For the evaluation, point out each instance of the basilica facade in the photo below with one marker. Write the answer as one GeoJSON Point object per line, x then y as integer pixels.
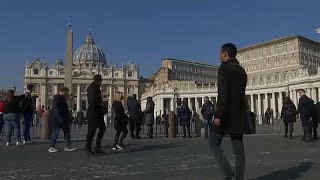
{"type": "Point", "coordinates": [87, 61]}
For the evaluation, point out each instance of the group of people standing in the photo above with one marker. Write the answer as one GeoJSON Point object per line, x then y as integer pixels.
{"type": "Point", "coordinates": [309, 116]}
{"type": "Point", "coordinates": [11, 110]}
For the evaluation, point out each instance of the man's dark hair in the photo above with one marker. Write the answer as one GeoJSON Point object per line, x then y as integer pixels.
{"type": "Point", "coordinates": [230, 49]}
{"type": "Point", "coordinates": [97, 78]}
{"type": "Point", "coordinates": [29, 87]}
{"type": "Point", "coordinates": [134, 96]}
{"type": "Point", "coordinates": [302, 90]}
{"type": "Point", "coordinates": [64, 89]}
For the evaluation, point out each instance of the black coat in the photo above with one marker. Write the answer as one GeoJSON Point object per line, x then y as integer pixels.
{"type": "Point", "coordinates": [60, 112]}
{"type": "Point", "coordinates": [305, 109]}
{"type": "Point", "coordinates": [207, 105]}
{"type": "Point", "coordinates": [184, 115]}
{"type": "Point", "coordinates": [288, 113]}
{"type": "Point", "coordinates": [231, 105]}
{"type": "Point", "coordinates": [95, 108]}
{"type": "Point", "coordinates": [134, 109]}
{"type": "Point", "coordinates": [317, 114]}
{"type": "Point", "coordinates": [118, 116]}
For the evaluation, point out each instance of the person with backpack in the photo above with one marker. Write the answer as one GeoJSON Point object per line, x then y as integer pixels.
{"type": "Point", "coordinates": [207, 112]}
{"type": "Point", "coordinates": [184, 114]}
{"type": "Point", "coordinates": [288, 116]}
{"type": "Point", "coordinates": [28, 110]}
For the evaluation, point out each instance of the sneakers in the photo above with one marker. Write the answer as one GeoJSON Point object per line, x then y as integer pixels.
{"type": "Point", "coordinates": [8, 144]}
{"type": "Point", "coordinates": [28, 142]}
{"type": "Point", "coordinates": [53, 150]}
{"type": "Point", "coordinates": [117, 147]}
{"type": "Point", "coordinates": [19, 143]}
{"type": "Point", "coordinates": [69, 149]}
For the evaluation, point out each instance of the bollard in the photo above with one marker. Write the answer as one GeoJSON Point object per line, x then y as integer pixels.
{"type": "Point", "coordinates": [45, 126]}
{"type": "Point", "coordinates": [199, 125]}
{"type": "Point", "coordinates": [172, 125]}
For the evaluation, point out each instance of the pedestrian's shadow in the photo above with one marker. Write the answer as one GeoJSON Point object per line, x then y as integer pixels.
{"type": "Point", "coordinates": [142, 148]}
{"type": "Point", "coordinates": [291, 173]}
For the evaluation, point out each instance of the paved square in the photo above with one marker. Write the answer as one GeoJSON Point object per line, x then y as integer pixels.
{"type": "Point", "coordinates": [268, 157]}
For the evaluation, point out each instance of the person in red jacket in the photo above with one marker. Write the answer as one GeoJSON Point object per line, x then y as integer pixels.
{"type": "Point", "coordinates": [1, 115]}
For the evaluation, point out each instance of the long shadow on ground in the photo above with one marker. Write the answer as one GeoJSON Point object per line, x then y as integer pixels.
{"type": "Point", "coordinates": [291, 173]}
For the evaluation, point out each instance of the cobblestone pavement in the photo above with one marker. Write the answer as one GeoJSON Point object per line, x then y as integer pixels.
{"type": "Point", "coordinates": [268, 157]}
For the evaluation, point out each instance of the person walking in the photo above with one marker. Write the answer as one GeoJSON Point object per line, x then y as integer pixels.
{"type": "Point", "coordinates": [28, 111]}
{"type": "Point", "coordinates": [120, 121]}
{"type": "Point", "coordinates": [149, 116]}
{"type": "Point", "coordinates": [306, 111]}
{"type": "Point", "coordinates": [134, 111]}
{"type": "Point", "coordinates": [61, 120]}
{"type": "Point", "coordinates": [288, 116]}
{"type": "Point", "coordinates": [230, 115]}
{"type": "Point", "coordinates": [184, 115]}
{"type": "Point", "coordinates": [1, 115]}
{"type": "Point", "coordinates": [12, 117]}
{"type": "Point", "coordinates": [267, 116]}
{"type": "Point", "coordinates": [207, 112]}
{"type": "Point", "coordinates": [95, 115]}
{"type": "Point", "coordinates": [315, 120]}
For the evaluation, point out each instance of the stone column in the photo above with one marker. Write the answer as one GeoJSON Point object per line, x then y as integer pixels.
{"type": "Point", "coordinates": [273, 103]}
{"type": "Point", "coordinates": [110, 96]}
{"type": "Point", "coordinates": [196, 101]}
{"type": "Point", "coordinates": [280, 103]}
{"type": "Point", "coordinates": [295, 97]}
{"type": "Point", "coordinates": [251, 103]}
{"type": "Point", "coordinates": [202, 101]}
{"type": "Point", "coordinates": [55, 86]}
{"type": "Point", "coordinates": [265, 103]}
{"type": "Point", "coordinates": [189, 103]}
{"type": "Point", "coordinates": [78, 97]}
{"type": "Point", "coordinates": [309, 92]}
{"type": "Point", "coordinates": [161, 106]}
{"type": "Point", "coordinates": [314, 94]}
{"type": "Point", "coordinates": [259, 109]}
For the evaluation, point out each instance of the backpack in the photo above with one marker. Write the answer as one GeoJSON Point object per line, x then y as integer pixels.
{"type": "Point", "coordinates": [289, 113]}
{"type": "Point", "coordinates": [210, 110]}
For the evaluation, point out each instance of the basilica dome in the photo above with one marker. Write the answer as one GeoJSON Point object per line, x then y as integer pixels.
{"type": "Point", "coordinates": [89, 53]}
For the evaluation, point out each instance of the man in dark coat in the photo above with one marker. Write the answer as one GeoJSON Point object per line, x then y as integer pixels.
{"type": "Point", "coordinates": [28, 110]}
{"type": "Point", "coordinates": [306, 111]}
{"type": "Point", "coordinates": [149, 116]}
{"type": "Point", "coordinates": [184, 115]}
{"type": "Point", "coordinates": [230, 114]}
{"type": "Point", "coordinates": [95, 115]}
{"type": "Point", "coordinates": [61, 120]}
{"type": "Point", "coordinates": [120, 121]}
{"type": "Point", "coordinates": [134, 111]}
{"type": "Point", "coordinates": [207, 112]}
{"type": "Point", "coordinates": [316, 120]}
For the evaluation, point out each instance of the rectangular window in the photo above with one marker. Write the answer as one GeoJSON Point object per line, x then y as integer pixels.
{"type": "Point", "coordinates": [36, 71]}
{"type": "Point", "coordinates": [50, 73]}
{"type": "Point", "coordinates": [116, 74]}
{"type": "Point", "coordinates": [130, 74]}
{"type": "Point", "coordinates": [83, 105]}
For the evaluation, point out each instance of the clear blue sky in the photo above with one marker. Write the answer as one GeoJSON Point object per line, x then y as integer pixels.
{"type": "Point", "coordinates": [145, 30]}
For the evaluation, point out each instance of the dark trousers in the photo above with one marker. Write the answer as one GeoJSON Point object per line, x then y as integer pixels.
{"type": "Point", "coordinates": [135, 126]}
{"type": "Point", "coordinates": [92, 128]}
{"type": "Point", "coordinates": [150, 131]}
{"type": "Point", "coordinates": [66, 132]}
{"type": "Point", "coordinates": [185, 129]}
{"type": "Point", "coordinates": [307, 132]}
{"type": "Point", "coordinates": [238, 151]}
{"type": "Point", "coordinates": [288, 126]}
{"type": "Point", "coordinates": [1, 123]}
{"type": "Point", "coordinates": [27, 125]}
{"type": "Point", "coordinates": [315, 132]}
{"type": "Point", "coordinates": [166, 129]}
{"type": "Point", "coordinates": [123, 132]}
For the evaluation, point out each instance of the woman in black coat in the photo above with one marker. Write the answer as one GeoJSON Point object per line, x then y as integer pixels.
{"type": "Point", "coordinates": [288, 116]}
{"type": "Point", "coordinates": [184, 115]}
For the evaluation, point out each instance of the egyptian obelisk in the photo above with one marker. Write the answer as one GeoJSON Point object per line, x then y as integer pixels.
{"type": "Point", "coordinates": [68, 64]}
